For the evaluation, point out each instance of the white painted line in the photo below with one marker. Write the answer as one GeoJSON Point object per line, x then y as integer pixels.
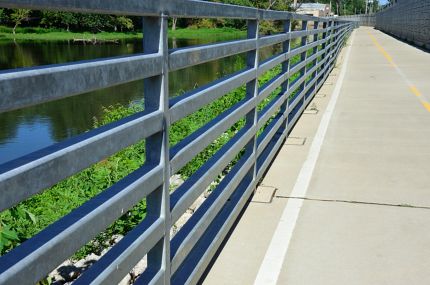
{"type": "Point", "coordinates": [272, 263]}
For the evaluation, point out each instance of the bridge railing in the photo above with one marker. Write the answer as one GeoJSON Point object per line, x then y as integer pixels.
{"type": "Point", "coordinates": [360, 19]}
{"type": "Point", "coordinates": [183, 258]}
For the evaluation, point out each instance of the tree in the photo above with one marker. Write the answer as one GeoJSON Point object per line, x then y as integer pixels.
{"type": "Point", "coordinates": [50, 19]}
{"type": "Point", "coordinates": [123, 23]}
{"type": "Point", "coordinates": [68, 19]}
{"type": "Point", "coordinates": [3, 16]}
{"type": "Point", "coordinates": [19, 15]}
{"type": "Point", "coordinates": [174, 22]}
{"type": "Point", "coordinates": [95, 22]}
{"type": "Point", "coordinates": [376, 5]}
{"type": "Point", "coordinates": [59, 19]}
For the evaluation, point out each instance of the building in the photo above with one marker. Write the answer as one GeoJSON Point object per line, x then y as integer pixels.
{"type": "Point", "coordinates": [314, 9]}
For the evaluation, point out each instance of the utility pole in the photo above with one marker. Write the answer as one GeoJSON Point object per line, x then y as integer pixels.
{"type": "Point", "coordinates": [367, 3]}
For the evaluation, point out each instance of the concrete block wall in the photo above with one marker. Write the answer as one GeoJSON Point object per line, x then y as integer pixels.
{"type": "Point", "coordinates": [408, 20]}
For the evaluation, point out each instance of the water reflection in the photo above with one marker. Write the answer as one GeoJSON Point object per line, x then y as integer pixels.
{"type": "Point", "coordinates": [24, 131]}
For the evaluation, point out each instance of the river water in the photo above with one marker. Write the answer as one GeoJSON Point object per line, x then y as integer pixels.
{"type": "Point", "coordinates": [30, 129]}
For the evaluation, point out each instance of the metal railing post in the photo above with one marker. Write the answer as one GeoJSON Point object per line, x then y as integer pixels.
{"type": "Point", "coordinates": [252, 92]}
{"type": "Point", "coordinates": [286, 46]}
{"type": "Point", "coordinates": [314, 62]}
{"type": "Point", "coordinates": [336, 40]}
{"type": "Point", "coordinates": [326, 26]}
{"type": "Point", "coordinates": [303, 56]}
{"type": "Point", "coordinates": [331, 44]}
{"type": "Point", "coordinates": [156, 94]}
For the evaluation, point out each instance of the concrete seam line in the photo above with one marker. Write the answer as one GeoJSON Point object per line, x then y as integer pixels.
{"type": "Point", "coordinates": [357, 202]}
{"type": "Point", "coordinates": [272, 263]}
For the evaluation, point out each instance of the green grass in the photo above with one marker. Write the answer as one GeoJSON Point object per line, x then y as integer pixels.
{"type": "Point", "coordinates": [37, 34]}
{"type": "Point", "coordinates": [194, 33]}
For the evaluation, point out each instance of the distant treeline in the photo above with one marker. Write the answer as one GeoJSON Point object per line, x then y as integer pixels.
{"type": "Point", "coordinates": [67, 21]}
{"type": "Point", "coordinates": [107, 23]}
{"type": "Point", "coordinates": [77, 22]}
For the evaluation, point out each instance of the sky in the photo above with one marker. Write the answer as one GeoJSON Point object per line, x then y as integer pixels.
{"type": "Point", "coordinates": [383, 2]}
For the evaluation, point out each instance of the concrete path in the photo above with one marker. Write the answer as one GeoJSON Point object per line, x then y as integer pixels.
{"type": "Point", "coordinates": [353, 203]}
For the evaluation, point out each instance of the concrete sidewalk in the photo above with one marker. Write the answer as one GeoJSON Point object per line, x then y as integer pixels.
{"type": "Point", "coordinates": [365, 215]}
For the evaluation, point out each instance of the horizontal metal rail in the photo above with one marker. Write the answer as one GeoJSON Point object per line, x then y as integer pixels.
{"type": "Point", "coordinates": [173, 8]}
{"type": "Point", "coordinates": [186, 57]}
{"type": "Point", "coordinates": [267, 113]}
{"type": "Point", "coordinates": [30, 86]}
{"type": "Point", "coordinates": [31, 174]}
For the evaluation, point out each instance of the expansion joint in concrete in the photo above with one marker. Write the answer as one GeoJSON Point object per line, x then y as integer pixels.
{"type": "Point", "coordinates": [356, 202]}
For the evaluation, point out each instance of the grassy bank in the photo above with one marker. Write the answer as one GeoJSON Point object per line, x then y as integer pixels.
{"type": "Point", "coordinates": [193, 33]}
{"type": "Point", "coordinates": [38, 34]}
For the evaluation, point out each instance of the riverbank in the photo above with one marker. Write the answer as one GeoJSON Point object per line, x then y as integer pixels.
{"type": "Point", "coordinates": [38, 34]}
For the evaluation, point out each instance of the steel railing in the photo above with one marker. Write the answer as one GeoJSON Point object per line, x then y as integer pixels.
{"type": "Point", "coordinates": [361, 19]}
{"type": "Point", "coordinates": [184, 258]}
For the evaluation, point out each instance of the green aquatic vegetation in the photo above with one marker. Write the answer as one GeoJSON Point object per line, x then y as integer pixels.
{"type": "Point", "coordinates": [33, 215]}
